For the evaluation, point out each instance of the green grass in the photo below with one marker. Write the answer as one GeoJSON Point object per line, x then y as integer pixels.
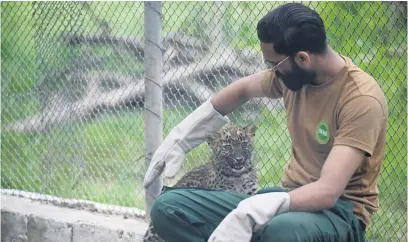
{"type": "Point", "coordinates": [102, 160]}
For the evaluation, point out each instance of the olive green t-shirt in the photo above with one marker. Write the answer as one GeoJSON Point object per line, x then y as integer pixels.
{"type": "Point", "coordinates": [351, 110]}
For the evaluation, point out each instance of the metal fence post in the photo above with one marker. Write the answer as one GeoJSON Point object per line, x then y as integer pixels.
{"type": "Point", "coordinates": [153, 91]}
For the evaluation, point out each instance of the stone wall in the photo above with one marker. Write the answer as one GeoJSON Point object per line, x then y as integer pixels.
{"type": "Point", "coordinates": [23, 219]}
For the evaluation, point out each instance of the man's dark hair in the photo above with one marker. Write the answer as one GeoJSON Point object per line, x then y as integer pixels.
{"type": "Point", "coordinates": [291, 28]}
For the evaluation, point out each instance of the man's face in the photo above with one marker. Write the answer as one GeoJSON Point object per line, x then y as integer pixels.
{"type": "Point", "coordinates": [293, 76]}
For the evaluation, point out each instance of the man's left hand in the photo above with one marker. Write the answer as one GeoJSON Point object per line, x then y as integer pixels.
{"type": "Point", "coordinates": [249, 216]}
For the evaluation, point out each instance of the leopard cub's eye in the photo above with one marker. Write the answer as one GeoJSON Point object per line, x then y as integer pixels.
{"type": "Point", "coordinates": [227, 146]}
{"type": "Point", "coordinates": [244, 144]}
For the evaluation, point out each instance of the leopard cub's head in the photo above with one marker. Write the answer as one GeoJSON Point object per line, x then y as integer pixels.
{"type": "Point", "coordinates": [232, 148]}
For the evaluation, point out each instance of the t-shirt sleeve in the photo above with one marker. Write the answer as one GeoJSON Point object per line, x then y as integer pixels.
{"type": "Point", "coordinates": [360, 123]}
{"type": "Point", "coordinates": [271, 86]}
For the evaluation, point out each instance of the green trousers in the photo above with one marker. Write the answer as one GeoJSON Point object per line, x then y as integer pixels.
{"type": "Point", "coordinates": [191, 215]}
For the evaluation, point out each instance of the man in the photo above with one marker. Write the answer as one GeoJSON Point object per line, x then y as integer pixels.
{"type": "Point", "coordinates": [337, 117]}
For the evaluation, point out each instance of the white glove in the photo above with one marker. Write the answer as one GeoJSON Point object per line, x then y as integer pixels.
{"type": "Point", "coordinates": [190, 133]}
{"type": "Point", "coordinates": [249, 216]}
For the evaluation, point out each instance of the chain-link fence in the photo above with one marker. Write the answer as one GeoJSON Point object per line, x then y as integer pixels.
{"type": "Point", "coordinates": [73, 120]}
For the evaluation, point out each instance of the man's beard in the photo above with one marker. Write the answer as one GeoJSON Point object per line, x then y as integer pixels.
{"type": "Point", "coordinates": [297, 77]}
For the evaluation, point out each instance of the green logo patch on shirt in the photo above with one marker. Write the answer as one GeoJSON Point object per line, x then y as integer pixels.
{"type": "Point", "coordinates": [322, 132]}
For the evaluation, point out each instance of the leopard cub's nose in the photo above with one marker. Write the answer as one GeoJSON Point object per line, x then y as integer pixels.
{"type": "Point", "coordinates": [239, 159]}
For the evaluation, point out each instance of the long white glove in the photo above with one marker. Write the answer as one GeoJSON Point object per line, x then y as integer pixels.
{"type": "Point", "coordinates": [190, 133]}
{"type": "Point", "coordinates": [249, 216]}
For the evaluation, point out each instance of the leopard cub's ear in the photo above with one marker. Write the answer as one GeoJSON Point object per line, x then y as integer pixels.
{"type": "Point", "coordinates": [212, 137]}
{"type": "Point", "coordinates": [251, 129]}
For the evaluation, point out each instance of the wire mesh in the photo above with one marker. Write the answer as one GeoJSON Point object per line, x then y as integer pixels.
{"type": "Point", "coordinates": [73, 92]}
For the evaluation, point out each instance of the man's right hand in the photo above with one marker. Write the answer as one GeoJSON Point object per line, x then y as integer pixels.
{"type": "Point", "coordinates": [190, 133]}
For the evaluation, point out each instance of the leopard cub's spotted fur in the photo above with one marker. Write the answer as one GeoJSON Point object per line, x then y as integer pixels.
{"type": "Point", "coordinates": [231, 168]}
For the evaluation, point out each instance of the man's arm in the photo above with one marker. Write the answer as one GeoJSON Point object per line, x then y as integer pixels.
{"type": "Point", "coordinates": [239, 92]}
{"type": "Point", "coordinates": [206, 119]}
{"type": "Point", "coordinates": [254, 212]}
{"type": "Point", "coordinates": [340, 165]}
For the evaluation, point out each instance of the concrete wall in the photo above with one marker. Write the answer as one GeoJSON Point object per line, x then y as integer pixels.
{"type": "Point", "coordinates": [23, 219]}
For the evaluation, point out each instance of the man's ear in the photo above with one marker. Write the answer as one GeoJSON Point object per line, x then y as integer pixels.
{"type": "Point", "coordinates": [303, 58]}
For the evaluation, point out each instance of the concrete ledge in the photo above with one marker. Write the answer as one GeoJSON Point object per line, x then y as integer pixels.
{"type": "Point", "coordinates": [25, 220]}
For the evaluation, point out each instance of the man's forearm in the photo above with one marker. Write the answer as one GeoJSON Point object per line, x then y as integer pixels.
{"type": "Point", "coordinates": [238, 93]}
{"type": "Point", "coordinates": [338, 169]}
{"type": "Point", "coordinates": [230, 98]}
{"type": "Point", "coordinates": [311, 197]}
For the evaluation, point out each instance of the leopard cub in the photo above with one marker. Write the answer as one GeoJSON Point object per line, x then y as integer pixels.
{"type": "Point", "coordinates": [231, 167]}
